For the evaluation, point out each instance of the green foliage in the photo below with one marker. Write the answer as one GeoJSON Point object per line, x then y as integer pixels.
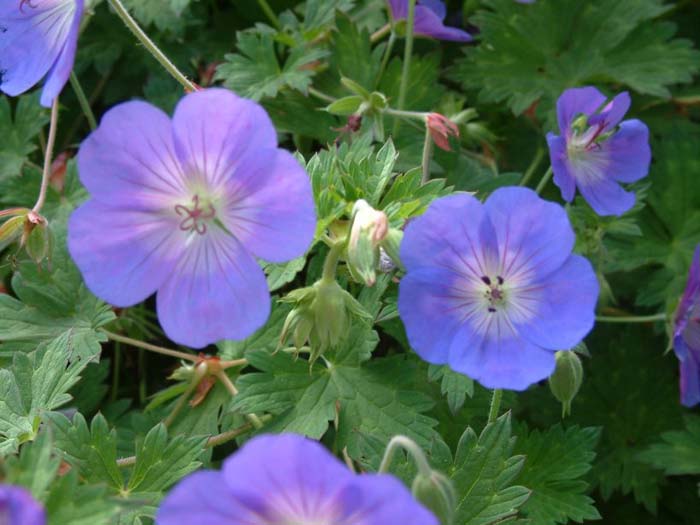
{"type": "Point", "coordinates": [166, 15]}
{"type": "Point", "coordinates": [456, 386]}
{"type": "Point", "coordinates": [18, 132]}
{"type": "Point", "coordinates": [678, 452]}
{"type": "Point", "coordinates": [257, 73]}
{"type": "Point", "coordinates": [528, 53]}
{"type": "Point", "coordinates": [556, 461]}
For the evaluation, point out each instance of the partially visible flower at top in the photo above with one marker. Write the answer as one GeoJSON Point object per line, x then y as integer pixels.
{"type": "Point", "coordinates": [38, 38]}
{"type": "Point", "coordinates": [441, 129]}
{"type": "Point", "coordinates": [493, 289]}
{"type": "Point", "coordinates": [595, 151]}
{"type": "Point", "coordinates": [276, 479]}
{"type": "Point", "coordinates": [184, 207]}
{"type": "Point", "coordinates": [429, 17]}
{"type": "Point", "coordinates": [18, 507]}
{"type": "Point", "coordinates": [686, 335]}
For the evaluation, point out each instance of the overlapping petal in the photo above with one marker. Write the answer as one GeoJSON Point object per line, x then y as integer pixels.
{"type": "Point", "coordinates": [215, 291]}
{"type": "Point", "coordinates": [629, 152]}
{"type": "Point", "coordinates": [577, 101]}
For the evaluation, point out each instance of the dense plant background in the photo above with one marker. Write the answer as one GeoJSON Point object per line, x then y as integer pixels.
{"type": "Point", "coordinates": [81, 416]}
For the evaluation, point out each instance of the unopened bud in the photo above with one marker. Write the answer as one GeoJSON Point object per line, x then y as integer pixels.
{"type": "Point", "coordinates": [369, 229]}
{"type": "Point", "coordinates": [392, 246]}
{"type": "Point", "coordinates": [567, 378]}
{"type": "Point", "coordinates": [441, 129]}
{"type": "Point", "coordinates": [436, 492]}
{"type": "Point", "coordinates": [37, 238]}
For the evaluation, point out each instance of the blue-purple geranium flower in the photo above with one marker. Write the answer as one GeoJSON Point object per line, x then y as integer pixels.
{"type": "Point", "coordinates": [429, 20]}
{"type": "Point", "coordinates": [493, 289]}
{"type": "Point", "coordinates": [596, 152]}
{"type": "Point", "coordinates": [686, 335]}
{"type": "Point", "coordinates": [38, 39]}
{"type": "Point", "coordinates": [184, 207]}
{"type": "Point", "coordinates": [18, 507]}
{"type": "Point", "coordinates": [280, 479]}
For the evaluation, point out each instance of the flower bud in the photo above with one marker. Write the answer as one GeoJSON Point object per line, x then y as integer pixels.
{"type": "Point", "coordinates": [369, 229]}
{"type": "Point", "coordinates": [441, 129]}
{"type": "Point", "coordinates": [567, 378]}
{"type": "Point", "coordinates": [392, 246]}
{"type": "Point", "coordinates": [436, 492]}
{"type": "Point", "coordinates": [37, 238]}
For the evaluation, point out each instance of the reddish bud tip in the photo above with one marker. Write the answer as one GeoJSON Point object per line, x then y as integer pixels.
{"type": "Point", "coordinates": [441, 129]}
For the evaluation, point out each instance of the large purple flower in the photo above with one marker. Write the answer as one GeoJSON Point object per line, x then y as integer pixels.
{"type": "Point", "coordinates": [18, 507]}
{"type": "Point", "coordinates": [429, 17]}
{"type": "Point", "coordinates": [38, 39]}
{"type": "Point", "coordinates": [184, 206]}
{"type": "Point", "coordinates": [278, 479]}
{"type": "Point", "coordinates": [595, 151]}
{"type": "Point", "coordinates": [493, 289]}
{"type": "Point", "coordinates": [686, 335]}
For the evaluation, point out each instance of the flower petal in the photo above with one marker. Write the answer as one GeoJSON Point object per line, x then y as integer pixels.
{"type": "Point", "coordinates": [214, 129]}
{"type": "Point", "coordinates": [503, 360]}
{"type": "Point", "coordinates": [432, 311]}
{"type": "Point", "coordinates": [534, 236]}
{"type": "Point", "coordinates": [19, 507]}
{"type": "Point", "coordinates": [629, 152]}
{"type": "Point", "coordinates": [271, 205]}
{"type": "Point", "coordinates": [565, 306]}
{"type": "Point", "coordinates": [216, 291]}
{"type": "Point", "coordinates": [611, 115]}
{"type": "Point", "coordinates": [603, 194]}
{"type": "Point", "coordinates": [454, 234]}
{"type": "Point", "coordinates": [124, 255]}
{"type": "Point", "coordinates": [429, 23]}
{"type": "Point", "coordinates": [204, 497]}
{"type": "Point", "coordinates": [436, 6]}
{"type": "Point", "coordinates": [129, 160]}
{"type": "Point", "coordinates": [576, 101]}
{"type": "Point", "coordinates": [60, 71]}
{"type": "Point", "coordinates": [32, 41]}
{"type": "Point", "coordinates": [690, 381]}
{"type": "Point", "coordinates": [562, 176]}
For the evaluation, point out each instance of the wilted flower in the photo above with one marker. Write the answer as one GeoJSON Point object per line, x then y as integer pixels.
{"type": "Point", "coordinates": [441, 129]}
{"type": "Point", "coordinates": [38, 38]}
{"type": "Point", "coordinates": [184, 207]}
{"type": "Point", "coordinates": [686, 335]}
{"type": "Point", "coordinates": [18, 507]}
{"type": "Point", "coordinates": [429, 17]}
{"type": "Point", "coordinates": [493, 289]}
{"type": "Point", "coordinates": [596, 151]}
{"type": "Point", "coordinates": [289, 479]}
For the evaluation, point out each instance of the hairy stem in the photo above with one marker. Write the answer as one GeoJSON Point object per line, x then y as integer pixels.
{"type": "Point", "coordinates": [151, 46]}
{"type": "Point", "coordinates": [270, 14]}
{"type": "Point", "coordinates": [83, 101]}
{"type": "Point", "coordinates": [150, 347]}
{"type": "Point", "coordinates": [48, 158]}
{"type": "Point", "coordinates": [545, 179]}
{"type": "Point", "coordinates": [228, 384]}
{"type": "Point", "coordinates": [408, 53]}
{"type": "Point", "coordinates": [427, 154]}
{"type": "Point", "coordinates": [330, 265]}
{"type": "Point", "coordinates": [407, 444]}
{"type": "Point", "coordinates": [380, 33]}
{"type": "Point", "coordinates": [631, 319]}
{"type": "Point", "coordinates": [533, 167]}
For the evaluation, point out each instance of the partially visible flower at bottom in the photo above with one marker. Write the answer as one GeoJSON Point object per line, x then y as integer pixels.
{"type": "Point", "coordinates": [493, 289]}
{"type": "Point", "coordinates": [18, 507]}
{"type": "Point", "coordinates": [686, 335]}
{"type": "Point", "coordinates": [287, 478]}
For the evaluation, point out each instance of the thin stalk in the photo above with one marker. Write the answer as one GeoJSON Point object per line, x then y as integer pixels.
{"type": "Point", "coordinates": [230, 364]}
{"type": "Point", "coordinates": [631, 319]}
{"type": "Point", "coordinates": [544, 180]}
{"type": "Point", "coordinates": [407, 444]}
{"type": "Point", "coordinates": [495, 404]}
{"type": "Point", "coordinates": [321, 95]}
{"type": "Point", "coordinates": [408, 53]}
{"type": "Point", "coordinates": [199, 373]}
{"type": "Point", "coordinates": [116, 370]}
{"type": "Point", "coordinates": [533, 167]}
{"type": "Point", "coordinates": [150, 347]}
{"type": "Point", "coordinates": [381, 33]}
{"type": "Point", "coordinates": [228, 384]}
{"type": "Point", "coordinates": [386, 57]}
{"type": "Point", "coordinates": [412, 115]}
{"type": "Point", "coordinates": [330, 265]}
{"type": "Point", "coordinates": [143, 387]}
{"type": "Point", "coordinates": [46, 174]}
{"type": "Point", "coordinates": [427, 155]}
{"type": "Point", "coordinates": [83, 101]}
{"type": "Point", "coordinates": [270, 14]}
{"type": "Point", "coordinates": [152, 48]}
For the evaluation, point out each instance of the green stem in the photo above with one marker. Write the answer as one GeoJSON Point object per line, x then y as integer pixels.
{"type": "Point", "coordinates": [427, 154]}
{"type": "Point", "coordinates": [270, 14]}
{"type": "Point", "coordinates": [150, 347]}
{"type": "Point", "coordinates": [330, 265]}
{"type": "Point", "coordinates": [381, 33]}
{"type": "Point", "coordinates": [228, 384]}
{"type": "Point", "coordinates": [116, 370]}
{"type": "Point", "coordinates": [533, 167]}
{"type": "Point", "coordinates": [199, 372]}
{"type": "Point", "coordinates": [408, 53]}
{"type": "Point", "coordinates": [152, 48]}
{"type": "Point", "coordinates": [495, 404]}
{"type": "Point", "coordinates": [386, 57]}
{"type": "Point", "coordinates": [83, 101]}
{"type": "Point", "coordinates": [631, 319]}
{"type": "Point", "coordinates": [321, 95]}
{"type": "Point", "coordinates": [412, 115]}
{"type": "Point", "coordinates": [544, 180]}
{"type": "Point", "coordinates": [48, 158]}
{"type": "Point", "coordinates": [407, 444]}
{"type": "Point", "coordinates": [143, 387]}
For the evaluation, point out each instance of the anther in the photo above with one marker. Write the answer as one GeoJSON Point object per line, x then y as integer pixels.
{"type": "Point", "coordinates": [486, 280]}
{"type": "Point", "coordinates": [499, 279]}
